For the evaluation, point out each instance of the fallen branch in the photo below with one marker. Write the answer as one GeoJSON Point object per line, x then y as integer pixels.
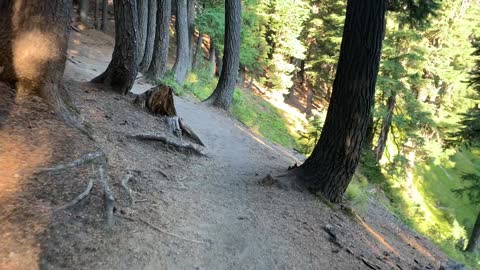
{"type": "Point", "coordinates": [167, 141]}
{"type": "Point", "coordinates": [79, 198]}
{"type": "Point", "coordinates": [161, 230]}
{"type": "Point", "coordinates": [125, 180]}
{"type": "Point", "coordinates": [89, 157]}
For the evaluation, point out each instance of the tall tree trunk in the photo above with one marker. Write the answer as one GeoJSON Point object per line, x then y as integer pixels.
{"type": "Point", "coordinates": [142, 27]}
{"type": "Point", "coordinates": [223, 94]}
{"type": "Point", "coordinates": [34, 49]}
{"type": "Point", "coordinates": [83, 10]}
{"type": "Point", "coordinates": [96, 17]}
{"type": "Point", "coordinates": [191, 31]}
{"type": "Point", "coordinates": [368, 145]}
{"type": "Point", "coordinates": [387, 122]}
{"type": "Point", "coordinates": [150, 41]}
{"type": "Point", "coordinates": [332, 164]}
{"type": "Point", "coordinates": [218, 63]}
{"type": "Point", "coordinates": [212, 57]}
{"type": "Point", "coordinates": [182, 61]}
{"type": "Point", "coordinates": [122, 70]}
{"type": "Point", "coordinates": [473, 241]}
{"type": "Point", "coordinates": [158, 66]}
{"type": "Point", "coordinates": [198, 49]}
{"type": "Point", "coordinates": [309, 105]}
{"type": "Point", "coordinates": [103, 27]}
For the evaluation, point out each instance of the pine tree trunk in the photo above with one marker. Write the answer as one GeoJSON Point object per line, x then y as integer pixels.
{"type": "Point", "coordinates": [142, 27]}
{"type": "Point", "coordinates": [218, 63]}
{"type": "Point", "coordinates": [26, 42]}
{"type": "Point", "coordinates": [212, 57]}
{"type": "Point", "coordinates": [83, 10]}
{"type": "Point", "coordinates": [150, 39]}
{"type": "Point", "coordinates": [122, 70]}
{"type": "Point", "coordinates": [473, 241]}
{"type": "Point", "coordinates": [103, 27]}
{"type": "Point", "coordinates": [158, 66]}
{"type": "Point", "coordinates": [387, 122]}
{"type": "Point", "coordinates": [198, 49]}
{"type": "Point", "coordinates": [96, 17]}
{"type": "Point", "coordinates": [223, 94]}
{"type": "Point", "coordinates": [330, 168]}
{"type": "Point", "coordinates": [368, 145]}
{"type": "Point", "coordinates": [182, 61]}
{"type": "Point", "coordinates": [191, 31]}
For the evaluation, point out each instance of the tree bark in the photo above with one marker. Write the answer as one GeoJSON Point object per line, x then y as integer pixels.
{"type": "Point", "coordinates": [96, 17]}
{"type": "Point", "coordinates": [473, 241]}
{"type": "Point", "coordinates": [122, 70]}
{"type": "Point", "coordinates": [83, 10]}
{"type": "Point", "coordinates": [212, 57]}
{"type": "Point", "coordinates": [368, 145]}
{"type": "Point", "coordinates": [142, 27]}
{"type": "Point", "coordinates": [34, 49]}
{"type": "Point", "coordinates": [158, 66]}
{"type": "Point", "coordinates": [218, 63]}
{"type": "Point", "coordinates": [198, 49]}
{"type": "Point", "coordinates": [223, 94]}
{"type": "Point", "coordinates": [387, 122]}
{"type": "Point", "coordinates": [182, 61]}
{"type": "Point", "coordinates": [330, 168]}
{"type": "Point", "coordinates": [191, 31]}
{"type": "Point", "coordinates": [103, 27]}
{"type": "Point", "coordinates": [150, 38]}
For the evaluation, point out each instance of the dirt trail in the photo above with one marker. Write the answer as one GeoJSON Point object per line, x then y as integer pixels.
{"type": "Point", "coordinates": [208, 212]}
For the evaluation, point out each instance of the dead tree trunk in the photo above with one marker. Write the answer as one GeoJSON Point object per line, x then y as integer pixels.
{"type": "Point", "coordinates": [122, 70]}
{"type": "Point", "coordinates": [158, 66]}
{"type": "Point", "coordinates": [183, 55]}
{"type": "Point", "coordinates": [34, 50]}
{"type": "Point", "coordinates": [152, 22]}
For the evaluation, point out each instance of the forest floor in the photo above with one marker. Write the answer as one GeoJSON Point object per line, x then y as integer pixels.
{"type": "Point", "coordinates": [190, 211]}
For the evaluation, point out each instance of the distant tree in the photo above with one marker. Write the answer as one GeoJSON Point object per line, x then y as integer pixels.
{"type": "Point", "coordinates": [150, 37]}
{"type": "Point", "coordinates": [472, 191]}
{"type": "Point", "coordinates": [103, 26]}
{"type": "Point", "coordinates": [34, 49]}
{"type": "Point", "coordinates": [332, 164]}
{"type": "Point", "coordinates": [142, 27]}
{"type": "Point", "coordinates": [223, 93]}
{"type": "Point", "coordinates": [158, 66]}
{"type": "Point", "coordinates": [182, 61]}
{"type": "Point", "coordinates": [191, 13]}
{"type": "Point", "coordinates": [122, 70]}
{"type": "Point", "coordinates": [83, 10]}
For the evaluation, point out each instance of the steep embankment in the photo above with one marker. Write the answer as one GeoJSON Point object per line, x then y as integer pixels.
{"type": "Point", "coordinates": [194, 212]}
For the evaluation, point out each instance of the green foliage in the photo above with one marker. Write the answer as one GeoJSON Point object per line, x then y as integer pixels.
{"type": "Point", "coordinates": [309, 138]}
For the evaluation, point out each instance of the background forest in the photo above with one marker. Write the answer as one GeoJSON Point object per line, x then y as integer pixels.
{"type": "Point", "coordinates": [423, 136]}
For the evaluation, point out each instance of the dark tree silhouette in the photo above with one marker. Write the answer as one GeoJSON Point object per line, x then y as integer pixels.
{"type": "Point", "coordinates": [223, 94]}
{"type": "Point", "coordinates": [122, 70]}
{"type": "Point", "coordinates": [34, 41]}
{"type": "Point", "coordinates": [330, 168]}
{"type": "Point", "coordinates": [387, 123]}
{"type": "Point", "coordinates": [158, 66]}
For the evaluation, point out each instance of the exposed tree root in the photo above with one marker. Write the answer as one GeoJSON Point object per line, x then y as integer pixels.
{"type": "Point", "coordinates": [167, 141]}
{"type": "Point", "coordinates": [162, 231]}
{"type": "Point", "coordinates": [186, 130]}
{"type": "Point", "coordinates": [109, 200]}
{"type": "Point", "coordinates": [89, 157]}
{"type": "Point", "coordinates": [125, 180]}
{"type": "Point", "coordinates": [79, 198]}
